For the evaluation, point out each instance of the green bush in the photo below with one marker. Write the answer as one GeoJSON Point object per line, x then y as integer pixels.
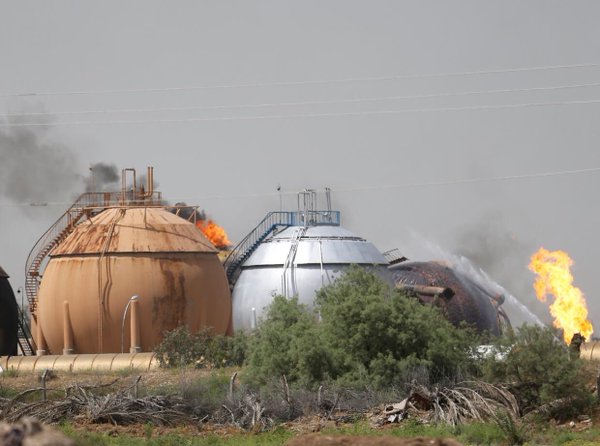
{"type": "Point", "coordinates": [539, 370]}
{"type": "Point", "coordinates": [367, 335]}
{"type": "Point", "coordinates": [203, 349]}
{"type": "Point", "coordinates": [288, 342]}
{"type": "Point", "coordinates": [178, 348]}
{"type": "Point", "coordinates": [387, 333]}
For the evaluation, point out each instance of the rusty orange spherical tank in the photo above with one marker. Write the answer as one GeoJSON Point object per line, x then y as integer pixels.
{"type": "Point", "coordinates": [119, 253]}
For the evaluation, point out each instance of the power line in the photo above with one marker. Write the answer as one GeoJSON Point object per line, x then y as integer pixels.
{"type": "Point", "coordinates": [458, 181]}
{"type": "Point", "coordinates": [476, 180]}
{"type": "Point", "coordinates": [301, 103]}
{"type": "Point", "coordinates": [306, 115]}
{"type": "Point", "coordinates": [304, 82]}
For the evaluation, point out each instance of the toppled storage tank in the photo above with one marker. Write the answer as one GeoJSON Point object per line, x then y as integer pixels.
{"type": "Point", "coordinates": [123, 276]}
{"type": "Point", "coordinates": [294, 254]}
{"type": "Point", "coordinates": [8, 317]}
{"type": "Point", "coordinates": [460, 298]}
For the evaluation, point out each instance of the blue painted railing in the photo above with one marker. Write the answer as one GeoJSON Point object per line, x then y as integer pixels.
{"type": "Point", "coordinates": [272, 221]}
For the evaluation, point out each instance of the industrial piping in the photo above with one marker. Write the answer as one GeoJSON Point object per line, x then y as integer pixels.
{"type": "Point", "coordinates": [434, 291]}
{"type": "Point", "coordinates": [590, 351]}
{"type": "Point", "coordinates": [106, 362]}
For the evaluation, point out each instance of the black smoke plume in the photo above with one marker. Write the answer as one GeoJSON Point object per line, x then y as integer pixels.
{"type": "Point", "coordinates": [33, 168]}
{"type": "Point", "coordinates": [102, 177]}
{"type": "Point", "coordinates": [186, 212]}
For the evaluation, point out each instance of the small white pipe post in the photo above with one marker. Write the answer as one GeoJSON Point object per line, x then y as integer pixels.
{"type": "Point", "coordinates": [40, 341]}
{"type": "Point", "coordinates": [253, 321]}
{"type": "Point", "coordinates": [67, 331]}
{"type": "Point", "coordinates": [133, 298]}
{"type": "Point", "coordinates": [134, 328]}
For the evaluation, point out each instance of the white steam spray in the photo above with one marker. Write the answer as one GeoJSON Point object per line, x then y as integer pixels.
{"type": "Point", "coordinates": [517, 312]}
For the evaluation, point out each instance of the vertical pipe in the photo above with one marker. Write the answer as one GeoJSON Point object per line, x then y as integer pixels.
{"type": "Point", "coordinates": [67, 332]}
{"type": "Point", "coordinates": [40, 341]}
{"type": "Point", "coordinates": [134, 326]}
{"type": "Point", "coordinates": [149, 184]}
{"type": "Point", "coordinates": [253, 321]}
{"type": "Point", "coordinates": [44, 377]}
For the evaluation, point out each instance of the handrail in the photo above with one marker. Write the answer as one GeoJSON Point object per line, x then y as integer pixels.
{"type": "Point", "coordinates": [244, 248]}
{"type": "Point", "coordinates": [24, 337]}
{"type": "Point", "coordinates": [266, 226]}
{"type": "Point", "coordinates": [65, 224]}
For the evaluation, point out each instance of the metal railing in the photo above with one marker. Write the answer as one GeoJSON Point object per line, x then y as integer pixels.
{"type": "Point", "coordinates": [314, 218]}
{"type": "Point", "coordinates": [267, 225]}
{"type": "Point", "coordinates": [249, 243]}
{"type": "Point", "coordinates": [24, 337]}
{"type": "Point", "coordinates": [87, 204]}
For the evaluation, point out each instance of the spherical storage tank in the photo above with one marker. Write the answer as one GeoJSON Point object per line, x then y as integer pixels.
{"type": "Point", "coordinates": [470, 302]}
{"type": "Point", "coordinates": [8, 317]}
{"type": "Point", "coordinates": [297, 261]}
{"type": "Point", "coordinates": [122, 252]}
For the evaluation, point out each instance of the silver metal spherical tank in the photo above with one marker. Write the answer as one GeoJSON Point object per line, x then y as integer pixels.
{"type": "Point", "coordinates": [297, 261]}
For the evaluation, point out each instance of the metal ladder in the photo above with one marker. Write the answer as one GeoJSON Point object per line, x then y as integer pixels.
{"type": "Point", "coordinates": [289, 261]}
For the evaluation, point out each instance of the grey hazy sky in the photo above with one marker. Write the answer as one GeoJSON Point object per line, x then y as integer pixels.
{"type": "Point", "coordinates": [232, 167]}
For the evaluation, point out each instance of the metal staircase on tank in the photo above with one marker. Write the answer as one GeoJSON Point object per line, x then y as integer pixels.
{"type": "Point", "coordinates": [86, 205]}
{"type": "Point", "coordinates": [307, 215]}
{"type": "Point", "coordinates": [24, 334]}
{"type": "Point", "coordinates": [244, 249]}
{"type": "Point", "coordinates": [46, 243]}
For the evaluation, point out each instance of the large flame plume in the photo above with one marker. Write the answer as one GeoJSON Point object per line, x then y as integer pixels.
{"type": "Point", "coordinates": [553, 269]}
{"type": "Point", "coordinates": [215, 233]}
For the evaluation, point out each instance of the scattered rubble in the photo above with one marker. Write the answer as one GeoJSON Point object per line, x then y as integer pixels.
{"type": "Point", "coordinates": [466, 401]}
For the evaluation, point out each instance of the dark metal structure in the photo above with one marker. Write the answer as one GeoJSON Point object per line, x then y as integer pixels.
{"type": "Point", "coordinates": [460, 298]}
{"type": "Point", "coordinates": [9, 317]}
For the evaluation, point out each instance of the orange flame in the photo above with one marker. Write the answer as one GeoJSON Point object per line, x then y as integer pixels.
{"type": "Point", "coordinates": [214, 233]}
{"type": "Point", "coordinates": [553, 269]}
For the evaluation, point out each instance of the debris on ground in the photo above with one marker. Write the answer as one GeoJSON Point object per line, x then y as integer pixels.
{"type": "Point", "coordinates": [463, 402]}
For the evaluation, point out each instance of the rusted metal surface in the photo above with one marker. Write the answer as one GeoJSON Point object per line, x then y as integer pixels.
{"type": "Point", "coordinates": [8, 317]}
{"type": "Point", "coordinates": [80, 363]}
{"type": "Point", "coordinates": [123, 252]}
{"type": "Point", "coordinates": [134, 230]}
{"type": "Point", "coordinates": [470, 303]}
